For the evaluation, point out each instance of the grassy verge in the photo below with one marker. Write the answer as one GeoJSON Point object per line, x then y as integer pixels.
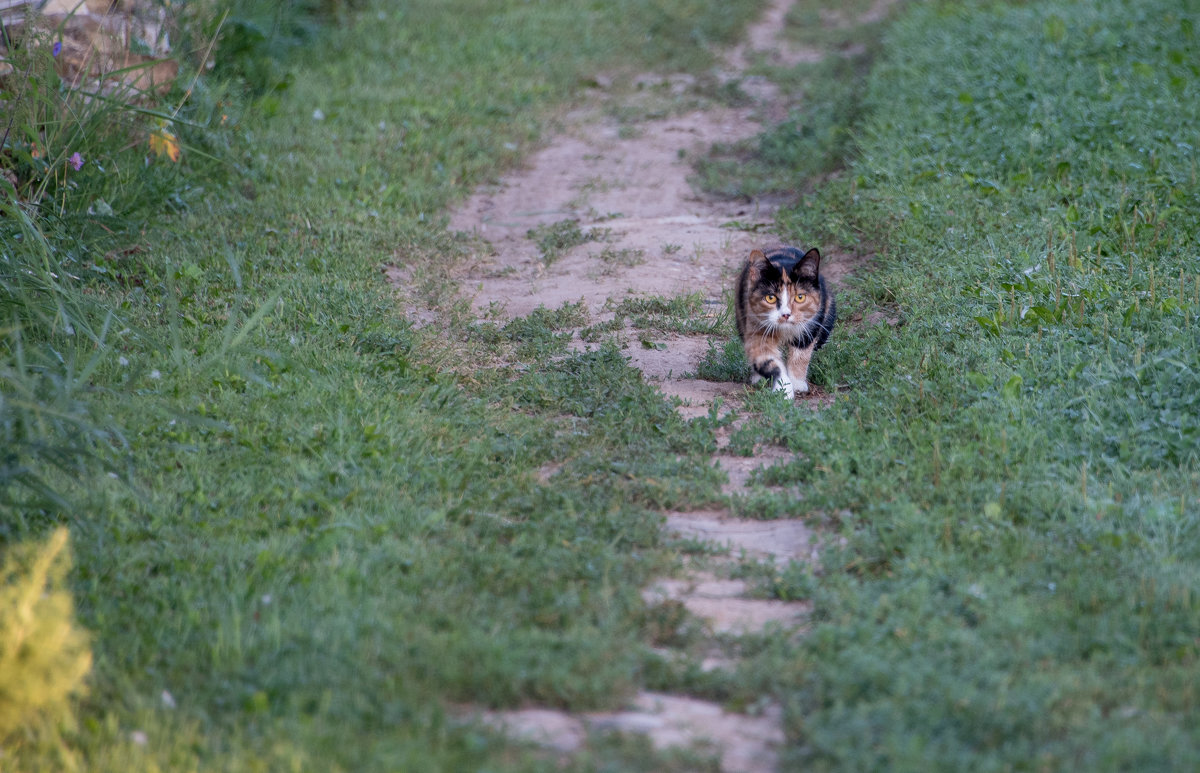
{"type": "Point", "coordinates": [1014, 466]}
{"type": "Point", "coordinates": [316, 541]}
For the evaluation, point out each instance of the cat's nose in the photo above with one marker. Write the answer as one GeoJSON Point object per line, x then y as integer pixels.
{"type": "Point", "coordinates": [785, 316]}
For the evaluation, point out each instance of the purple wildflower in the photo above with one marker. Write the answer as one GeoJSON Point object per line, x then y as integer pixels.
{"type": "Point", "coordinates": [57, 49]}
{"type": "Point", "coordinates": [76, 161]}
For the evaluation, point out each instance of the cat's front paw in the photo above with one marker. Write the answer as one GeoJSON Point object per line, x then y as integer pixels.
{"type": "Point", "coordinates": [802, 387]}
{"type": "Point", "coordinates": [784, 384]}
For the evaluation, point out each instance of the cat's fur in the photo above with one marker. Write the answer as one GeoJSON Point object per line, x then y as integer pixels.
{"type": "Point", "coordinates": [782, 302]}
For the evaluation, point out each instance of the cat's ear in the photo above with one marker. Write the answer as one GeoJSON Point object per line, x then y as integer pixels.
{"type": "Point", "coordinates": [756, 264]}
{"type": "Point", "coordinates": [809, 266]}
{"type": "Point", "coordinates": [762, 265]}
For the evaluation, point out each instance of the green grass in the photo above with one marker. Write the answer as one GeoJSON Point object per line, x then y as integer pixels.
{"type": "Point", "coordinates": [685, 314]}
{"type": "Point", "coordinates": [614, 260]}
{"type": "Point", "coordinates": [554, 239]}
{"type": "Point", "coordinates": [81, 176]}
{"type": "Point", "coordinates": [832, 27]}
{"type": "Point", "coordinates": [326, 528]}
{"type": "Point", "coordinates": [1014, 467]}
{"type": "Point", "coordinates": [827, 102]}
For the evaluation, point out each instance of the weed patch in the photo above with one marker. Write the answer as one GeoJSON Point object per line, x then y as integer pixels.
{"type": "Point", "coordinates": [725, 360]}
{"type": "Point", "coordinates": [555, 239]}
{"type": "Point", "coordinates": [686, 314]}
{"type": "Point", "coordinates": [614, 259]}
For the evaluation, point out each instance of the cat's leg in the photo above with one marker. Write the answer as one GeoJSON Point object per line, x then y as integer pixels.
{"type": "Point", "coordinates": [780, 381]}
{"type": "Point", "coordinates": [766, 363]}
{"type": "Point", "coordinates": [797, 365]}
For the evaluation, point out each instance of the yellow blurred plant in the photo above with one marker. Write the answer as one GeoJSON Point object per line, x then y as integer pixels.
{"type": "Point", "coordinates": [44, 655]}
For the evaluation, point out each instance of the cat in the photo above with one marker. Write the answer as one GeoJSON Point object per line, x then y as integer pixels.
{"type": "Point", "coordinates": [782, 300]}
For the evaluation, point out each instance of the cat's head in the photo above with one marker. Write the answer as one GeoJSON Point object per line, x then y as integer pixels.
{"type": "Point", "coordinates": [784, 287]}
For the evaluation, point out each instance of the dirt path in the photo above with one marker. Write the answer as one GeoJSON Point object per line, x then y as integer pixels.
{"type": "Point", "coordinates": [625, 185]}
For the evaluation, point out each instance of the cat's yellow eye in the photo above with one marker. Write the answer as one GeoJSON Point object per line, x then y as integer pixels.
{"type": "Point", "coordinates": [770, 299]}
{"type": "Point", "coordinates": [799, 297]}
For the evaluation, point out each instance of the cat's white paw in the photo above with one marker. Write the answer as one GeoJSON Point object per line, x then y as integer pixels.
{"type": "Point", "coordinates": [802, 387]}
{"type": "Point", "coordinates": [784, 384]}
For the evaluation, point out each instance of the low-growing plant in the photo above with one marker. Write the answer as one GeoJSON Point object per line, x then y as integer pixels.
{"type": "Point", "coordinates": [725, 360]}
{"type": "Point", "coordinates": [614, 259]}
{"type": "Point", "coordinates": [49, 437]}
{"type": "Point", "coordinates": [83, 163]}
{"type": "Point", "coordinates": [76, 153]}
{"type": "Point", "coordinates": [688, 314]}
{"type": "Point", "coordinates": [554, 239]}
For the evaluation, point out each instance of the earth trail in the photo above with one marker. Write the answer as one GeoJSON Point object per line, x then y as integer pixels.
{"type": "Point", "coordinates": [626, 188]}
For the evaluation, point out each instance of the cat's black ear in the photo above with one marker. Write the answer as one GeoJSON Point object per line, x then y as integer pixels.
{"type": "Point", "coordinates": [809, 266]}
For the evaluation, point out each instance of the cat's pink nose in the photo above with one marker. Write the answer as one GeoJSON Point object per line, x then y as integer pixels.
{"type": "Point", "coordinates": [785, 316]}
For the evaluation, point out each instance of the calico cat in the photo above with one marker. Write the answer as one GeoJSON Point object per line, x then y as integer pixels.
{"type": "Point", "coordinates": [782, 301]}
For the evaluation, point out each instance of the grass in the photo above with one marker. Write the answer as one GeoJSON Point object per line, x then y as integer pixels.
{"type": "Point", "coordinates": [554, 239]}
{"type": "Point", "coordinates": [827, 97]}
{"type": "Point", "coordinates": [328, 528]}
{"type": "Point", "coordinates": [614, 260]}
{"type": "Point", "coordinates": [1014, 466]}
{"type": "Point", "coordinates": [316, 533]}
{"type": "Point", "coordinates": [80, 176]}
{"type": "Point", "coordinates": [835, 28]}
{"type": "Point", "coordinates": [684, 314]}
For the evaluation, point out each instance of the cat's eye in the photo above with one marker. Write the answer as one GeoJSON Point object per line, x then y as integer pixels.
{"type": "Point", "coordinates": [770, 299]}
{"type": "Point", "coordinates": [799, 297]}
